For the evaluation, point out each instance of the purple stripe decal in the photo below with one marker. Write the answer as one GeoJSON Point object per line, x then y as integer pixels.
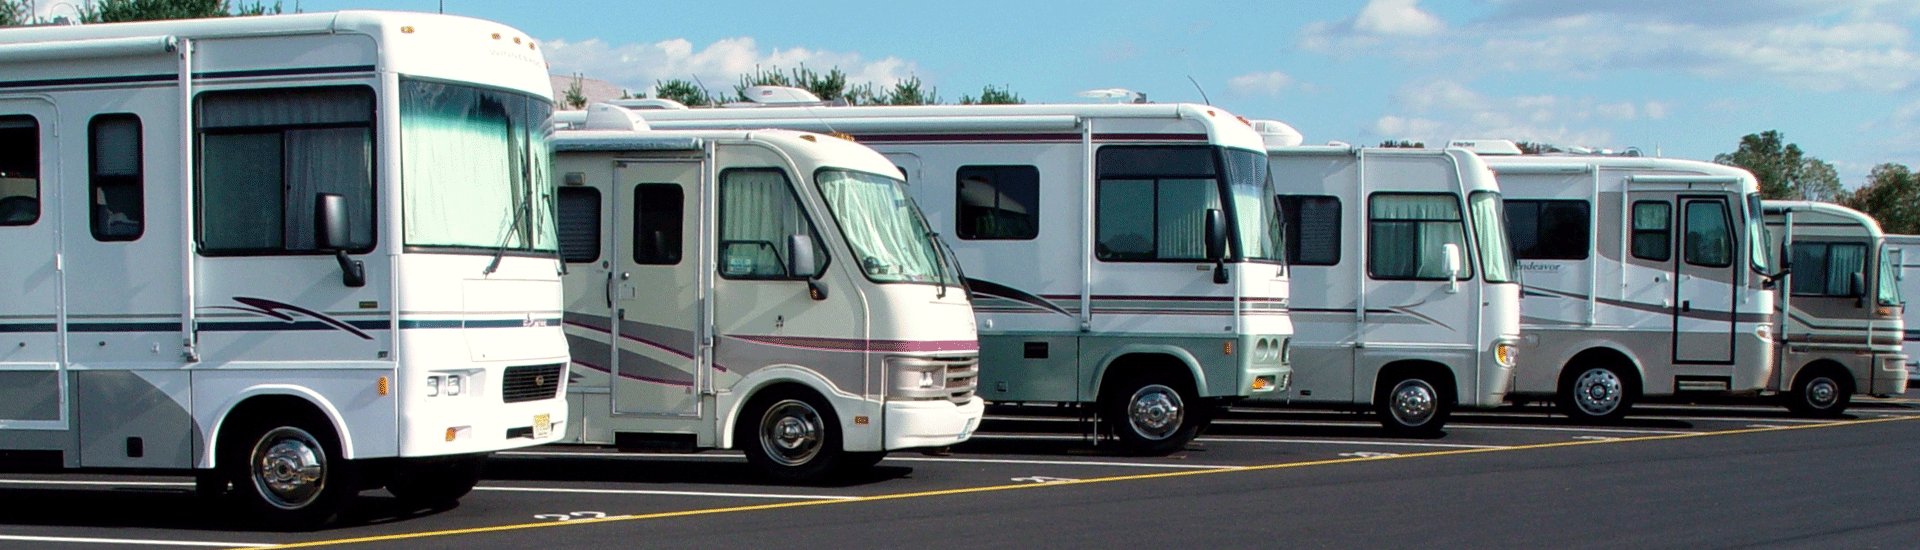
{"type": "Point", "coordinates": [648, 343]}
{"type": "Point", "coordinates": [852, 344]}
{"type": "Point", "coordinates": [597, 368]}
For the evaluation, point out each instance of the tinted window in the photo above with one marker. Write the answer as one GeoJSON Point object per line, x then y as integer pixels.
{"type": "Point", "coordinates": [19, 171]}
{"type": "Point", "coordinates": [1709, 240]}
{"type": "Point", "coordinates": [1653, 230]}
{"type": "Point", "coordinates": [1312, 229]}
{"type": "Point", "coordinates": [1407, 236]}
{"type": "Point", "coordinates": [1549, 229]}
{"type": "Point", "coordinates": [265, 155]}
{"type": "Point", "coordinates": [579, 218]}
{"type": "Point", "coordinates": [1152, 201]}
{"type": "Point", "coordinates": [658, 210]}
{"type": "Point", "coordinates": [114, 183]}
{"type": "Point", "coordinates": [997, 202]}
{"type": "Point", "coordinates": [758, 214]}
{"type": "Point", "coordinates": [1827, 269]}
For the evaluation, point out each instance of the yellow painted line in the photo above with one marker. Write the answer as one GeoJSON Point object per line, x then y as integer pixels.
{"type": "Point", "coordinates": [992, 488]}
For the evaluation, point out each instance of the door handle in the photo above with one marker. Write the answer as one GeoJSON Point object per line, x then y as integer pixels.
{"type": "Point", "coordinates": [1686, 305]}
{"type": "Point", "coordinates": [609, 290]}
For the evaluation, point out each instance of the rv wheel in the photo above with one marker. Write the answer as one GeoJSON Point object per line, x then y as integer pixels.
{"type": "Point", "coordinates": [1595, 393]}
{"type": "Point", "coordinates": [1819, 393]}
{"type": "Point", "coordinates": [1412, 406]}
{"type": "Point", "coordinates": [290, 473]}
{"type": "Point", "coordinates": [1151, 415]}
{"type": "Point", "coordinates": [436, 483]}
{"type": "Point", "coordinates": [792, 436]}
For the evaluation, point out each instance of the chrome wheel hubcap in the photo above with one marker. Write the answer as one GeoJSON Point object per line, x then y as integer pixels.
{"type": "Point", "coordinates": [1412, 402]}
{"type": "Point", "coordinates": [792, 432]}
{"type": "Point", "coordinates": [1822, 393]}
{"type": "Point", "coordinates": [289, 467]}
{"type": "Point", "coordinates": [1597, 392]}
{"type": "Point", "coordinates": [1155, 411]}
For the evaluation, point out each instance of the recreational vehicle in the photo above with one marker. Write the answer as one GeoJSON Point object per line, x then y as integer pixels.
{"type": "Point", "coordinates": [1122, 256]}
{"type": "Point", "coordinates": [769, 290]}
{"type": "Point", "coordinates": [1643, 277]}
{"type": "Point", "coordinates": [1839, 303]}
{"type": "Point", "coordinates": [295, 255]}
{"type": "Point", "coordinates": [1906, 264]}
{"type": "Point", "coordinates": [1414, 309]}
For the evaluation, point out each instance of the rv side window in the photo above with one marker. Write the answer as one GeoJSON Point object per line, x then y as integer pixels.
{"type": "Point", "coordinates": [1653, 230]}
{"type": "Point", "coordinates": [118, 211]}
{"type": "Point", "coordinates": [266, 154]}
{"type": "Point", "coordinates": [1312, 228]}
{"type": "Point", "coordinates": [1152, 201]}
{"type": "Point", "coordinates": [19, 170]}
{"type": "Point", "coordinates": [1825, 269]}
{"type": "Point", "coordinates": [1407, 234]}
{"type": "Point", "coordinates": [997, 202]}
{"type": "Point", "coordinates": [1709, 238]}
{"type": "Point", "coordinates": [1549, 229]}
{"type": "Point", "coordinates": [658, 211]}
{"type": "Point", "coordinates": [579, 224]}
{"type": "Point", "coordinates": [758, 214]}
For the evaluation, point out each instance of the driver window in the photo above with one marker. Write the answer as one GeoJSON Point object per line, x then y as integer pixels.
{"type": "Point", "coordinates": [758, 213]}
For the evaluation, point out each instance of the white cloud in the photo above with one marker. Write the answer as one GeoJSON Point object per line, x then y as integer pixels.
{"type": "Point", "coordinates": [1440, 110]}
{"type": "Point", "coordinates": [1268, 83]}
{"type": "Point", "coordinates": [719, 65]}
{"type": "Point", "coordinates": [1377, 22]}
{"type": "Point", "coordinates": [1807, 44]}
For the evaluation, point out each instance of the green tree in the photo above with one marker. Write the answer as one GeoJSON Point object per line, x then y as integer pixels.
{"type": "Point", "coordinates": [908, 92]}
{"type": "Point", "coordinates": [1784, 171]}
{"type": "Point", "coordinates": [115, 11]}
{"type": "Point", "coordinates": [1892, 196]}
{"type": "Point", "coordinates": [13, 12]}
{"type": "Point", "coordinates": [576, 98]}
{"type": "Point", "coordinates": [993, 95]}
{"type": "Point", "coordinates": [684, 91]}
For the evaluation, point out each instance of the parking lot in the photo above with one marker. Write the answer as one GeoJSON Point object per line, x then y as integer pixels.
{"type": "Point", "coordinates": [527, 491]}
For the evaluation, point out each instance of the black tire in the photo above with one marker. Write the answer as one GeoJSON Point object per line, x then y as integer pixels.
{"type": "Point", "coordinates": [1413, 405]}
{"type": "Point", "coordinates": [1152, 414]}
{"type": "Point", "coordinates": [792, 436]}
{"type": "Point", "coordinates": [289, 473]}
{"type": "Point", "coordinates": [1597, 392]}
{"type": "Point", "coordinates": [436, 483]}
{"type": "Point", "coordinates": [1823, 393]}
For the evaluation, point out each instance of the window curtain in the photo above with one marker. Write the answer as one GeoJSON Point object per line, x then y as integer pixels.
{"type": "Point", "coordinates": [1408, 232]}
{"type": "Point", "coordinates": [1182, 217]}
{"type": "Point", "coordinates": [757, 214]}
{"type": "Point", "coordinates": [1496, 256]}
{"type": "Point", "coordinates": [1844, 260]}
{"type": "Point", "coordinates": [881, 226]}
{"type": "Point", "coordinates": [338, 161]}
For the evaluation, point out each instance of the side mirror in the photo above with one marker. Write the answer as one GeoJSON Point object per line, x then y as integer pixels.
{"type": "Point", "coordinates": [330, 233]}
{"type": "Point", "coordinates": [1857, 288]}
{"type": "Point", "coordinates": [1451, 261]}
{"type": "Point", "coordinates": [801, 264]}
{"type": "Point", "coordinates": [1216, 234]}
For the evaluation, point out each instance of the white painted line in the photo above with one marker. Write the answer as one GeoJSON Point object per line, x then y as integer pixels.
{"type": "Point", "coordinates": [1382, 443]}
{"type": "Point", "coordinates": [141, 542]}
{"type": "Point", "coordinates": [604, 454]}
{"type": "Point", "coordinates": [667, 493]}
{"type": "Point", "coordinates": [1061, 462]}
{"type": "Point", "coordinates": [1457, 425]}
{"type": "Point", "coordinates": [97, 483]}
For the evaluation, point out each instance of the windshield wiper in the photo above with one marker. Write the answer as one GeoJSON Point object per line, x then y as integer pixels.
{"type": "Point", "coordinates": [520, 213]}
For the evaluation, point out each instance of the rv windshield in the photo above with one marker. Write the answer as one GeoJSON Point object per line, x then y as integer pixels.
{"type": "Point", "coordinates": [1758, 242]}
{"type": "Point", "coordinates": [884, 228]}
{"type": "Point", "coordinates": [1888, 283]}
{"type": "Point", "coordinates": [475, 168]}
{"type": "Point", "coordinates": [1250, 186]}
{"type": "Point", "coordinates": [1490, 230]}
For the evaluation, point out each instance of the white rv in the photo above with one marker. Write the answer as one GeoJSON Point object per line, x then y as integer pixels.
{"type": "Point", "coordinates": [1121, 256]}
{"type": "Point", "coordinates": [1413, 308]}
{"type": "Point", "coordinates": [770, 290]}
{"type": "Point", "coordinates": [1841, 329]}
{"type": "Point", "coordinates": [293, 254]}
{"type": "Point", "coordinates": [1642, 277]}
{"type": "Point", "coordinates": [1906, 264]}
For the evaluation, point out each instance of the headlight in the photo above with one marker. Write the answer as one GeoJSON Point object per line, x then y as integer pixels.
{"type": "Point", "coordinates": [1505, 354]}
{"type": "Point", "coordinates": [433, 386]}
{"type": "Point", "coordinates": [916, 378]}
{"type": "Point", "coordinates": [453, 384]}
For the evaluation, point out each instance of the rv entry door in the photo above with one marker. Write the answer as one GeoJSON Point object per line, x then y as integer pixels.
{"type": "Point", "coordinates": [33, 384]}
{"type": "Point", "coordinates": [658, 289]}
{"type": "Point", "coordinates": [1704, 282]}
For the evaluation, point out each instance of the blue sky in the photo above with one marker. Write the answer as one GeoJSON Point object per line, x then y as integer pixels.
{"type": "Point", "coordinates": [1686, 77]}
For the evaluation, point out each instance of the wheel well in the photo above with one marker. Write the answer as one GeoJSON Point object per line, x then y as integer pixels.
{"type": "Point", "coordinates": [741, 420]}
{"type": "Point", "coordinates": [1837, 371]}
{"type": "Point", "coordinates": [1439, 374]}
{"type": "Point", "coordinates": [1126, 367]}
{"type": "Point", "coordinates": [1628, 370]}
{"type": "Point", "coordinates": [267, 408]}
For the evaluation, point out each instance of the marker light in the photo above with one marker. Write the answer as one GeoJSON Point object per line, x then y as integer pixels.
{"type": "Point", "coordinates": [382, 385]}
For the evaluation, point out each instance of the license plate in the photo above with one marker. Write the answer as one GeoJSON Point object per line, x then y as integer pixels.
{"type": "Point", "coordinates": [542, 426]}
